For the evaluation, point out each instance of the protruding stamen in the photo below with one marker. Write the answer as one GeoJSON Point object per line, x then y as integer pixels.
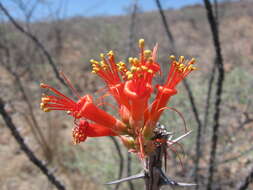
{"type": "Point", "coordinates": [141, 43]}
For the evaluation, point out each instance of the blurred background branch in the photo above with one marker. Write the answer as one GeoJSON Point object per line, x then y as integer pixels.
{"type": "Point", "coordinates": [27, 150]}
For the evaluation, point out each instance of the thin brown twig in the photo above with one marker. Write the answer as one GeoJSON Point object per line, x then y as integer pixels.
{"type": "Point", "coordinates": [200, 142]}
{"type": "Point", "coordinates": [185, 83]}
{"type": "Point", "coordinates": [220, 79]}
{"type": "Point", "coordinates": [8, 120]}
{"type": "Point", "coordinates": [36, 41]}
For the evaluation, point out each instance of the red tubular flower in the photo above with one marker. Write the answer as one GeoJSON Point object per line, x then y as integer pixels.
{"type": "Point", "coordinates": [138, 88]}
{"type": "Point", "coordinates": [83, 108]}
{"type": "Point", "coordinates": [108, 70]}
{"type": "Point", "coordinates": [85, 129]}
{"type": "Point", "coordinates": [178, 71]}
{"type": "Point", "coordinates": [132, 89]}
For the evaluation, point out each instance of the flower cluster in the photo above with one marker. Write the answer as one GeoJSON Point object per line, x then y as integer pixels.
{"type": "Point", "coordinates": [132, 88]}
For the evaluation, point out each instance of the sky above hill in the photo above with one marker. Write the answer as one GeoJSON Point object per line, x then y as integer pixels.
{"type": "Point", "coordinates": [70, 8]}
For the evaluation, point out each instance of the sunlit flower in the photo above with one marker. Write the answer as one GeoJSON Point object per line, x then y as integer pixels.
{"type": "Point", "coordinates": [85, 129]}
{"type": "Point", "coordinates": [131, 87]}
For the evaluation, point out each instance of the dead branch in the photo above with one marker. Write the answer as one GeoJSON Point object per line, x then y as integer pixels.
{"type": "Point", "coordinates": [185, 83]}
{"type": "Point", "coordinates": [26, 149]}
{"type": "Point", "coordinates": [36, 41]}
{"type": "Point", "coordinates": [219, 85]}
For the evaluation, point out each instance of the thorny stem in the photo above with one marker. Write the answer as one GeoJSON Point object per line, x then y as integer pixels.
{"type": "Point", "coordinates": [153, 168]}
{"type": "Point", "coordinates": [220, 79]}
{"type": "Point", "coordinates": [185, 83]}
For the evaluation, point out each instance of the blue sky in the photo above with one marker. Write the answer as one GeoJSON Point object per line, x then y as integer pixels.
{"type": "Point", "coordinates": [70, 8]}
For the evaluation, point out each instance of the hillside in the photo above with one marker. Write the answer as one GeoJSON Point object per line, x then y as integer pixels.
{"type": "Point", "coordinates": [74, 41]}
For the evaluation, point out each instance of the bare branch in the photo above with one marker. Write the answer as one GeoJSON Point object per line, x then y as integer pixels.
{"type": "Point", "coordinates": [186, 85]}
{"type": "Point", "coordinates": [216, 117]}
{"type": "Point", "coordinates": [36, 41]}
{"type": "Point", "coordinates": [27, 150]}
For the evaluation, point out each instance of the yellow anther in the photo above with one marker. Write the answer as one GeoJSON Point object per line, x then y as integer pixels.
{"type": "Point", "coordinates": [130, 60]}
{"type": "Point", "coordinates": [147, 53]}
{"type": "Point", "coordinates": [135, 61]}
{"type": "Point", "coordinates": [133, 68]}
{"type": "Point", "coordinates": [103, 64]}
{"type": "Point", "coordinates": [102, 55]}
{"type": "Point", "coordinates": [44, 99]}
{"type": "Point", "coordinates": [192, 68]}
{"type": "Point", "coordinates": [46, 110]}
{"type": "Point", "coordinates": [94, 61]}
{"type": "Point", "coordinates": [144, 68]}
{"type": "Point", "coordinates": [138, 69]}
{"type": "Point", "coordinates": [181, 59]}
{"type": "Point", "coordinates": [120, 68]}
{"type": "Point", "coordinates": [150, 71]}
{"type": "Point", "coordinates": [93, 72]}
{"type": "Point", "coordinates": [172, 57]}
{"type": "Point", "coordinates": [192, 61]}
{"type": "Point", "coordinates": [121, 63]}
{"type": "Point", "coordinates": [110, 53]}
{"type": "Point", "coordinates": [130, 76]}
{"type": "Point", "coordinates": [128, 72]}
{"type": "Point", "coordinates": [95, 69]}
{"type": "Point", "coordinates": [42, 105]}
{"type": "Point", "coordinates": [141, 43]}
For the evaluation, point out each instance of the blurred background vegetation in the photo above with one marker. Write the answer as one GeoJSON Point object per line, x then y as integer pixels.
{"type": "Point", "coordinates": [72, 41]}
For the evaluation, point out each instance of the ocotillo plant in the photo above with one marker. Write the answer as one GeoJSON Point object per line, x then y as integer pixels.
{"type": "Point", "coordinates": [137, 122]}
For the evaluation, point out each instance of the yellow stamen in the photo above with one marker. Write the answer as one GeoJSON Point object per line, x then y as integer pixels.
{"type": "Point", "coordinates": [147, 53]}
{"type": "Point", "coordinates": [150, 71]}
{"type": "Point", "coordinates": [192, 61]}
{"type": "Point", "coordinates": [102, 55]}
{"type": "Point", "coordinates": [141, 43]}
{"type": "Point", "coordinates": [130, 60]}
{"type": "Point", "coordinates": [130, 76]}
{"type": "Point", "coordinates": [133, 68]}
{"type": "Point", "coordinates": [144, 68]}
{"type": "Point", "coordinates": [110, 53]}
{"type": "Point", "coordinates": [42, 106]}
{"type": "Point", "coordinates": [181, 59]}
{"type": "Point", "coordinates": [46, 110]}
{"type": "Point", "coordinates": [172, 57]}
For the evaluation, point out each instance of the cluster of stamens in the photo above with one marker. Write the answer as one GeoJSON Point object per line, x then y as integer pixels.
{"type": "Point", "coordinates": [78, 133]}
{"type": "Point", "coordinates": [182, 65]}
{"type": "Point", "coordinates": [179, 70]}
{"type": "Point", "coordinates": [139, 68]}
{"type": "Point", "coordinates": [43, 105]}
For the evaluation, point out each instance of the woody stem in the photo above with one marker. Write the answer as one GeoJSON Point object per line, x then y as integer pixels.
{"type": "Point", "coordinates": [153, 176]}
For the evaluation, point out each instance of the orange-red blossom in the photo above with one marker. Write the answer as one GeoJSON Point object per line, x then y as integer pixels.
{"type": "Point", "coordinates": [131, 88]}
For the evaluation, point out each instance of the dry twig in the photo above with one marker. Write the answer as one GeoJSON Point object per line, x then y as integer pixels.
{"type": "Point", "coordinates": [27, 150]}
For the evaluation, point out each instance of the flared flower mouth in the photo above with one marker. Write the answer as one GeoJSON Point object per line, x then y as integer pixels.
{"type": "Point", "coordinates": [84, 129]}
{"type": "Point", "coordinates": [132, 88]}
